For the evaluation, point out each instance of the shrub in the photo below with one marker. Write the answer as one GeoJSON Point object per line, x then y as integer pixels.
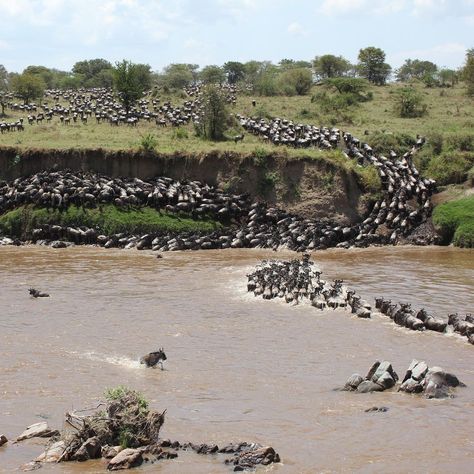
{"type": "Point", "coordinates": [455, 221]}
{"type": "Point", "coordinates": [260, 156]}
{"type": "Point", "coordinates": [409, 103]}
{"type": "Point", "coordinates": [148, 142]}
{"type": "Point", "coordinates": [384, 142]}
{"type": "Point", "coordinates": [450, 167]}
{"type": "Point", "coordinates": [435, 141]}
{"type": "Point", "coordinates": [462, 142]}
{"type": "Point", "coordinates": [180, 133]}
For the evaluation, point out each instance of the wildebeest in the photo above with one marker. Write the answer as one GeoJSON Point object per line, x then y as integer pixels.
{"type": "Point", "coordinates": [153, 358]}
{"type": "Point", "coordinates": [37, 293]}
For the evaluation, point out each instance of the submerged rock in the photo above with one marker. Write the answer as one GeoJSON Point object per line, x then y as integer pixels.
{"type": "Point", "coordinates": [126, 459]}
{"type": "Point", "coordinates": [251, 459]}
{"type": "Point", "coordinates": [53, 453]}
{"type": "Point", "coordinates": [40, 430]}
{"type": "Point", "coordinates": [434, 382]}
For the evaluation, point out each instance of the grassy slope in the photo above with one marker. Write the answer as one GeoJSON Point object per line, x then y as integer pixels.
{"type": "Point", "coordinates": [108, 220]}
{"type": "Point", "coordinates": [456, 221]}
{"type": "Point", "coordinates": [449, 112]}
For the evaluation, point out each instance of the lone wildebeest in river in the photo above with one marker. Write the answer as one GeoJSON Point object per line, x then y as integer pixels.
{"type": "Point", "coordinates": [153, 358]}
{"type": "Point", "coordinates": [37, 293]}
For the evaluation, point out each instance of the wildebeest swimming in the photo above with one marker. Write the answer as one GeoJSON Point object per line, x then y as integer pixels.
{"type": "Point", "coordinates": [154, 358]}
{"type": "Point", "coordinates": [37, 294]}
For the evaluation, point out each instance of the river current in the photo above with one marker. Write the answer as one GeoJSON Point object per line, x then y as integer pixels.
{"type": "Point", "coordinates": [239, 368]}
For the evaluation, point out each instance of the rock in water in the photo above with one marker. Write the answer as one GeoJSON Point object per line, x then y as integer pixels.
{"type": "Point", "coordinates": [126, 459]}
{"type": "Point", "coordinates": [53, 453]}
{"type": "Point", "coordinates": [260, 456]}
{"type": "Point", "coordinates": [40, 430]}
{"type": "Point", "coordinates": [353, 382]}
{"type": "Point", "coordinates": [3, 440]}
{"type": "Point", "coordinates": [90, 449]}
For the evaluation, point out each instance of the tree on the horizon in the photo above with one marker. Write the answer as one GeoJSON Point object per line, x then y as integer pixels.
{"type": "Point", "coordinates": [468, 71]}
{"type": "Point", "coordinates": [94, 72]}
{"type": "Point", "coordinates": [129, 83]}
{"type": "Point", "coordinates": [212, 75]}
{"type": "Point", "coordinates": [296, 81]}
{"type": "Point", "coordinates": [28, 86]}
{"type": "Point", "coordinates": [3, 88]}
{"type": "Point", "coordinates": [178, 75]}
{"type": "Point", "coordinates": [234, 70]}
{"type": "Point", "coordinates": [425, 71]}
{"type": "Point", "coordinates": [328, 66]}
{"type": "Point", "coordinates": [372, 65]}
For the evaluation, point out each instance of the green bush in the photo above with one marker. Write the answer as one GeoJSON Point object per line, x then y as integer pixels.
{"type": "Point", "coordinates": [180, 133]}
{"type": "Point", "coordinates": [398, 142]}
{"type": "Point", "coordinates": [260, 157]}
{"type": "Point", "coordinates": [455, 221]}
{"type": "Point", "coordinates": [148, 142]}
{"type": "Point", "coordinates": [450, 167]}
{"type": "Point", "coordinates": [435, 140]}
{"type": "Point", "coordinates": [409, 103]}
{"type": "Point", "coordinates": [460, 141]}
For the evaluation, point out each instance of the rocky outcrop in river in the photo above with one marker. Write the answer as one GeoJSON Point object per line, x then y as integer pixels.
{"type": "Point", "coordinates": [433, 382]}
{"type": "Point", "coordinates": [126, 434]}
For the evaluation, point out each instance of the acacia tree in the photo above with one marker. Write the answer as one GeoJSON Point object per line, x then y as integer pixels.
{"type": "Point", "coordinates": [215, 115]}
{"type": "Point", "coordinates": [416, 69]}
{"type": "Point", "coordinates": [129, 83]}
{"type": "Point", "coordinates": [468, 72]}
{"type": "Point", "coordinates": [372, 65]}
{"type": "Point", "coordinates": [234, 70]}
{"type": "Point", "coordinates": [328, 66]}
{"type": "Point", "coordinates": [28, 86]}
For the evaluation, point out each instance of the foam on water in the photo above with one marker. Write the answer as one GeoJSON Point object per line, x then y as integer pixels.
{"type": "Point", "coordinates": [119, 360]}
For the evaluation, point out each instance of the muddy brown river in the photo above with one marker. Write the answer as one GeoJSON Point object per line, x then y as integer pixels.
{"type": "Point", "coordinates": [238, 368]}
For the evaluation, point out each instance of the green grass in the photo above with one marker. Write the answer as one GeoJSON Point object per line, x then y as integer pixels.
{"type": "Point", "coordinates": [108, 220]}
{"type": "Point", "coordinates": [455, 219]}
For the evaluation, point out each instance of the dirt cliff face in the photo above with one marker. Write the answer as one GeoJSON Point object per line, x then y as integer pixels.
{"type": "Point", "coordinates": [308, 187]}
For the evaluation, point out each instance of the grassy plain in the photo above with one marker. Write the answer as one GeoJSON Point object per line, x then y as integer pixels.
{"type": "Point", "coordinates": [450, 112]}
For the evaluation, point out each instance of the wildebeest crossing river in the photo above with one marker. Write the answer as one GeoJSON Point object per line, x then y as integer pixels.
{"type": "Point", "coordinates": [238, 368]}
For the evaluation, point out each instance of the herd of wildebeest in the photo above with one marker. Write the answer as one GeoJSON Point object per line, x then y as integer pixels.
{"type": "Point", "coordinates": [299, 281]}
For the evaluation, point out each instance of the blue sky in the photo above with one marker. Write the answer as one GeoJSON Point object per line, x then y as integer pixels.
{"type": "Point", "coordinates": [57, 33]}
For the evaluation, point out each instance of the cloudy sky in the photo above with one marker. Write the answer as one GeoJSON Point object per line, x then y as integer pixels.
{"type": "Point", "coordinates": [57, 33]}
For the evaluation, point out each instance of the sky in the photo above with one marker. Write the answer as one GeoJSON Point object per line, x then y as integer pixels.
{"type": "Point", "coordinates": [58, 33]}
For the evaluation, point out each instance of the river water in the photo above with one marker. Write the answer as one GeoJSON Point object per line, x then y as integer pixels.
{"type": "Point", "coordinates": [239, 368]}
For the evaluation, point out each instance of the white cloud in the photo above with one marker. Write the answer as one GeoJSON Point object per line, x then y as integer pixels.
{"type": "Point", "coordinates": [296, 29]}
{"type": "Point", "coordinates": [347, 7]}
{"type": "Point", "coordinates": [338, 7]}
